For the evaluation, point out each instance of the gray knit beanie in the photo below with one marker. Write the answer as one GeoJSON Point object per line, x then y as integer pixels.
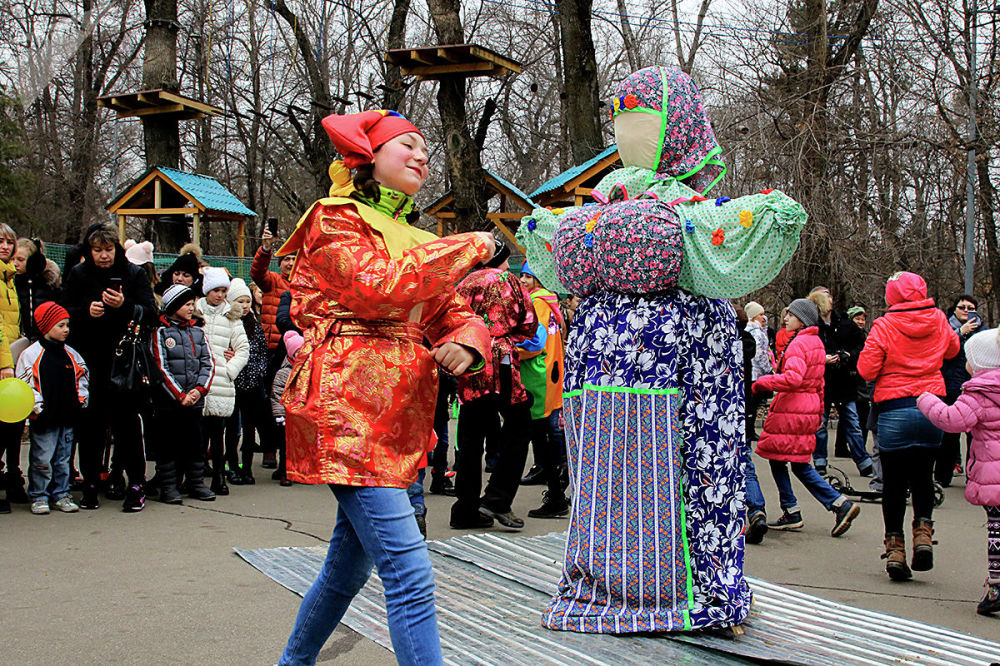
{"type": "Point", "coordinates": [805, 310]}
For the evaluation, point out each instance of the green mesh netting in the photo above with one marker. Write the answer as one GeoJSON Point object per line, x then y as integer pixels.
{"type": "Point", "coordinates": [237, 266]}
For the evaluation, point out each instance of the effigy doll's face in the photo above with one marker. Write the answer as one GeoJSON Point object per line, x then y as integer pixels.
{"type": "Point", "coordinates": [638, 136]}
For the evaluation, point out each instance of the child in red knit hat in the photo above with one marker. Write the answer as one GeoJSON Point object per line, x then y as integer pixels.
{"type": "Point", "coordinates": [58, 376]}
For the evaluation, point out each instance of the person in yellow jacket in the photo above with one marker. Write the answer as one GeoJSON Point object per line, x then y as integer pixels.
{"type": "Point", "coordinates": [542, 374]}
{"type": "Point", "coordinates": [10, 330]}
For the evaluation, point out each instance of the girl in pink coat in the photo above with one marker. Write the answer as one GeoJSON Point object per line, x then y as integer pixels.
{"type": "Point", "coordinates": [977, 411]}
{"type": "Point", "coordinates": [794, 416]}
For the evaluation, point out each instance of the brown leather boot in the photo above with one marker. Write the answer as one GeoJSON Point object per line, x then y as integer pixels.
{"type": "Point", "coordinates": [895, 557]}
{"type": "Point", "coordinates": [923, 544]}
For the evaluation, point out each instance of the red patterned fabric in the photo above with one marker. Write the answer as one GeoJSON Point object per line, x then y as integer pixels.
{"type": "Point", "coordinates": [359, 402]}
{"type": "Point", "coordinates": [498, 297]}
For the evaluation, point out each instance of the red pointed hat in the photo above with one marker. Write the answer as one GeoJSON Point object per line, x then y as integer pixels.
{"type": "Point", "coordinates": [357, 136]}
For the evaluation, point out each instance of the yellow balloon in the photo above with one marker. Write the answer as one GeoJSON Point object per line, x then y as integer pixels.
{"type": "Point", "coordinates": [16, 400]}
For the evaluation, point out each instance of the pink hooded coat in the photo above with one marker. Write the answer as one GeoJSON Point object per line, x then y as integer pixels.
{"type": "Point", "coordinates": [976, 410]}
{"type": "Point", "coordinates": [797, 410]}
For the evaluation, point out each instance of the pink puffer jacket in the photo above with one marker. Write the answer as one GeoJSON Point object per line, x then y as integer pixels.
{"type": "Point", "coordinates": [976, 410]}
{"type": "Point", "coordinates": [797, 410]}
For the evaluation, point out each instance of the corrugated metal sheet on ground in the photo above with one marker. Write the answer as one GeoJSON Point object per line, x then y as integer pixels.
{"type": "Point", "coordinates": [492, 589]}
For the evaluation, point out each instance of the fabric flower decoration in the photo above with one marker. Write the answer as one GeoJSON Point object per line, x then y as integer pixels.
{"type": "Point", "coordinates": [689, 226]}
{"type": "Point", "coordinates": [631, 101]}
{"type": "Point", "coordinates": [746, 218]}
{"type": "Point", "coordinates": [722, 200]}
{"type": "Point", "coordinates": [718, 236]}
{"type": "Point", "coordinates": [532, 224]}
{"type": "Point", "coordinates": [767, 191]}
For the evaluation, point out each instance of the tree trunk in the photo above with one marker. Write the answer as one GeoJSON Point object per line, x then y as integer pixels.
{"type": "Point", "coordinates": [394, 90]}
{"type": "Point", "coordinates": [81, 173]}
{"type": "Point", "coordinates": [465, 168]}
{"type": "Point", "coordinates": [161, 133]}
{"type": "Point", "coordinates": [580, 79]}
{"type": "Point", "coordinates": [319, 151]}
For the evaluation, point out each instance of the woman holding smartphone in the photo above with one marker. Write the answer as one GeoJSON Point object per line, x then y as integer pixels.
{"type": "Point", "coordinates": [102, 294]}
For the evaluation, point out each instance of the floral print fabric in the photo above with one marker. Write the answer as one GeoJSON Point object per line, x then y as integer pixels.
{"type": "Point", "coordinates": [678, 358]}
{"type": "Point", "coordinates": [632, 246]}
{"type": "Point", "coordinates": [506, 308]}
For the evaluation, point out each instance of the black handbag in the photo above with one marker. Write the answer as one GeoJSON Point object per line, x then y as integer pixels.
{"type": "Point", "coordinates": [131, 364]}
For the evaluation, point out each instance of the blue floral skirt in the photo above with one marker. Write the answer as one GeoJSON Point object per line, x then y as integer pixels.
{"type": "Point", "coordinates": [654, 430]}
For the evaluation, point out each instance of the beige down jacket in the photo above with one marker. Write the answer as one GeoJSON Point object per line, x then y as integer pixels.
{"type": "Point", "coordinates": [223, 330]}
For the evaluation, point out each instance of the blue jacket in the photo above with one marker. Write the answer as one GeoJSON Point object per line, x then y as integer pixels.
{"type": "Point", "coordinates": [183, 361]}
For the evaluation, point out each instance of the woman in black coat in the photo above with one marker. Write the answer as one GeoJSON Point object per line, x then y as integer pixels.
{"type": "Point", "coordinates": [103, 294]}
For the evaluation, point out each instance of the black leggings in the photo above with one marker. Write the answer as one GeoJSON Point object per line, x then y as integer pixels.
{"type": "Point", "coordinates": [911, 468]}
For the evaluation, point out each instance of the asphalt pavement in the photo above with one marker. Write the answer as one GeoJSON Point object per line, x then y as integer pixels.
{"type": "Point", "coordinates": [164, 585]}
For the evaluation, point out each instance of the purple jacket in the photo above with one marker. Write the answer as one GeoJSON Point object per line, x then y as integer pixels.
{"type": "Point", "coordinates": [977, 411]}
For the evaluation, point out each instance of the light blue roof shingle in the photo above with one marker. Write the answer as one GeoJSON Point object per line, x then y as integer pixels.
{"type": "Point", "coordinates": [513, 188]}
{"type": "Point", "coordinates": [207, 191]}
{"type": "Point", "coordinates": [570, 174]}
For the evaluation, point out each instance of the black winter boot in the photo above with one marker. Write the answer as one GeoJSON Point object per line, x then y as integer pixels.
{"type": "Point", "coordinates": [194, 486]}
{"type": "Point", "coordinates": [219, 486]}
{"type": "Point", "coordinates": [14, 482]}
{"type": "Point", "coordinates": [166, 481]}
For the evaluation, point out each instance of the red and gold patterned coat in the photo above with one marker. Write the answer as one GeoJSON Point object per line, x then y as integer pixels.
{"type": "Point", "coordinates": [359, 403]}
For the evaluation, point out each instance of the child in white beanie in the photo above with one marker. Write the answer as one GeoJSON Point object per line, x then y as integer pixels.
{"type": "Point", "coordinates": [231, 350]}
{"type": "Point", "coordinates": [977, 411]}
{"type": "Point", "coordinates": [252, 408]}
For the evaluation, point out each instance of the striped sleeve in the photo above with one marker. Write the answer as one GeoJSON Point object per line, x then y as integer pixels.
{"type": "Point", "coordinates": [160, 356]}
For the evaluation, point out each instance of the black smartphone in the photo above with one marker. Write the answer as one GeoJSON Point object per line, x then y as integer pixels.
{"type": "Point", "coordinates": [115, 284]}
{"type": "Point", "coordinates": [272, 225]}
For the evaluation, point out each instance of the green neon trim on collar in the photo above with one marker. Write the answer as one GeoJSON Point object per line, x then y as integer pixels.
{"type": "Point", "coordinates": [619, 389]}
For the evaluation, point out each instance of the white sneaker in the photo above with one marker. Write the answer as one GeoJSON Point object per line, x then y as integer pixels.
{"type": "Point", "coordinates": [67, 505]}
{"type": "Point", "coordinates": [40, 507]}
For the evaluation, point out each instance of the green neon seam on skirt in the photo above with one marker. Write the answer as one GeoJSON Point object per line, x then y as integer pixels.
{"type": "Point", "coordinates": [684, 535]}
{"type": "Point", "coordinates": [619, 389]}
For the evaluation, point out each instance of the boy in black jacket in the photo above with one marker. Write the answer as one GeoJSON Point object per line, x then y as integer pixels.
{"type": "Point", "coordinates": [185, 369]}
{"type": "Point", "coordinates": [58, 376]}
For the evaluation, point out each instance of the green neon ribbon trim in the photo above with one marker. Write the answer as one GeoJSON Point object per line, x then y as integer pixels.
{"type": "Point", "coordinates": [618, 389]}
{"type": "Point", "coordinates": [687, 562]}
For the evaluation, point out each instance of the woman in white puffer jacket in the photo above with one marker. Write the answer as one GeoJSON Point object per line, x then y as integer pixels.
{"type": "Point", "coordinates": [231, 349]}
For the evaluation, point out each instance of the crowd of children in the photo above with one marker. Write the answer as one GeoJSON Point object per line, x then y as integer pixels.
{"type": "Point", "coordinates": [203, 356]}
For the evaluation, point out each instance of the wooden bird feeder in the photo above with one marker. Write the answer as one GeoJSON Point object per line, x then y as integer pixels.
{"type": "Point", "coordinates": [462, 60]}
{"type": "Point", "coordinates": [157, 103]}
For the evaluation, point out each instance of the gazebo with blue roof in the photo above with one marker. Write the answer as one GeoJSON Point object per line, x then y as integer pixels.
{"type": "Point", "coordinates": [571, 186]}
{"type": "Point", "coordinates": [162, 191]}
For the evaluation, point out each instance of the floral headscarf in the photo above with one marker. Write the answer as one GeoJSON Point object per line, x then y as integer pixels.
{"type": "Point", "coordinates": [686, 143]}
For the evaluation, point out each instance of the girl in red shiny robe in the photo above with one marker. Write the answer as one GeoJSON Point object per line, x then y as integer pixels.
{"type": "Point", "coordinates": [367, 288]}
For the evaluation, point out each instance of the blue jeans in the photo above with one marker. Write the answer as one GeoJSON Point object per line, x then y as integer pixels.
{"type": "Point", "coordinates": [415, 493]}
{"type": "Point", "coordinates": [809, 477]}
{"type": "Point", "coordinates": [48, 470]}
{"type": "Point", "coordinates": [905, 427]}
{"type": "Point", "coordinates": [848, 412]}
{"type": "Point", "coordinates": [755, 498]}
{"type": "Point", "coordinates": [374, 526]}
